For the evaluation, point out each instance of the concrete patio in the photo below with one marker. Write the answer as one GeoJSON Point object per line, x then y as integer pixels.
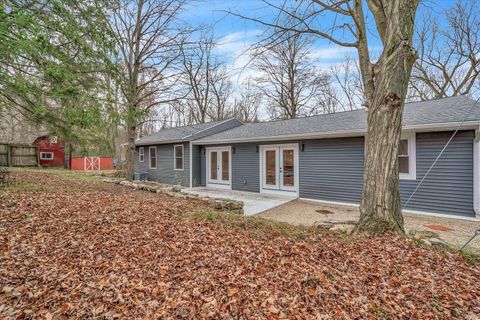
{"type": "Point", "coordinates": [303, 212]}
{"type": "Point", "coordinates": [253, 202]}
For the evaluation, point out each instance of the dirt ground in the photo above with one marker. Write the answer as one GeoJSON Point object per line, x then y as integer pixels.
{"type": "Point", "coordinates": [74, 247]}
{"type": "Point", "coordinates": [307, 213]}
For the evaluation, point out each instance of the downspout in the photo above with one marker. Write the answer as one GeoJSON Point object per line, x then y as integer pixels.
{"type": "Point", "coordinates": [190, 167]}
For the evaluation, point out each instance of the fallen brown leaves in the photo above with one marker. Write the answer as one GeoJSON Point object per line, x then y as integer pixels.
{"type": "Point", "coordinates": [95, 253]}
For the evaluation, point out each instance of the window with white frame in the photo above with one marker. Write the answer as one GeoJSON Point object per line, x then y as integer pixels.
{"type": "Point", "coordinates": [178, 161]}
{"type": "Point", "coordinates": [54, 140]}
{"type": "Point", "coordinates": [141, 154]}
{"type": "Point", "coordinates": [153, 157]}
{"type": "Point", "coordinates": [407, 157]}
{"type": "Point", "coordinates": [46, 155]}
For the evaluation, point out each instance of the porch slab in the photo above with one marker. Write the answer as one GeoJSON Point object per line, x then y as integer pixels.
{"type": "Point", "coordinates": [253, 202]}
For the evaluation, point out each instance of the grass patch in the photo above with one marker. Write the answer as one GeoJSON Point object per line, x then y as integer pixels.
{"type": "Point", "coordinates": [256, 227]}
{"type": "Point", "coordinates": [82, 176]}
{"type": "Point", "coordinates": [470, 256]}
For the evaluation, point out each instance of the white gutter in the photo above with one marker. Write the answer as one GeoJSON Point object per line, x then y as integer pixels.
{"type": "Point", "coordinates": [343, 133]}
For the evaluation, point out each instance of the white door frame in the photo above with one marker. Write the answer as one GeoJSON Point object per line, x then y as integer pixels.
{"type": "Point", "coordinates": [292, 191]}
{"type": "Point", "coordinates": [218, 183]}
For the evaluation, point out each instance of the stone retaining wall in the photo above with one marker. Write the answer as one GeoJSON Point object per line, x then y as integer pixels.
{"type": "Point", "coordinates": [220, 204]}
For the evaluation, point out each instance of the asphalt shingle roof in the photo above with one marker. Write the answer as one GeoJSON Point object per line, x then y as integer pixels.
{"type": "Point", "coordinates": [440, 111]}
{"type": "Point", "coordinates": [176, 134]}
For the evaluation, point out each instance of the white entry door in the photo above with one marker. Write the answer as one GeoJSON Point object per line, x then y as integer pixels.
{"type": "Point", "coordinates": [219, 167]}
{"type": "Point", "coordinates": [279, 169]}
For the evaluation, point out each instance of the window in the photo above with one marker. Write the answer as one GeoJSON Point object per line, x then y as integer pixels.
{"type": "Point", "coordinates": [178, 161]}
{"type": "Point", "coordinates": [153, 157]}
{"type": "Point", "coordinates": [54, 140]}
{"type": "Point", "coordinates": [406, 157]}
{"type": "Point", "coordinates": [141, 154]}
{"type": "Point", "coordinates": [46, 155]}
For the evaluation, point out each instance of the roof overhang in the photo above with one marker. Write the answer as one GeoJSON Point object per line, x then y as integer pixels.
{"type": "Point", "coordinates": [345, 133]}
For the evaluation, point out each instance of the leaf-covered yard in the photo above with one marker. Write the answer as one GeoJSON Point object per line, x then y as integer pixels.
{"type": "Point", "coordinates": [74, 247]}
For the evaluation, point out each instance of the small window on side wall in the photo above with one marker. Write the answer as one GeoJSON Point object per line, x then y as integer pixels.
{"type": "Point", "coordinates": [178, 159]}
{"type": "Point", "coordinates": [407, 157]}
{"type": "Point", "coordinates": [153, 157]}
{"type": "Point", "coordinates": [141, 154]}
{"type": "Point", "coordinates": [46, 155]}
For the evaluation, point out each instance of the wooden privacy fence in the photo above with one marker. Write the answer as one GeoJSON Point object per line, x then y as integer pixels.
{"type": "Point", "coordinates": [15, 155]}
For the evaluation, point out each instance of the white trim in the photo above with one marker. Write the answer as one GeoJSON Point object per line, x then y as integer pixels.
{"type": "Point", "coordinates": [468, 125]}
{"type": "Point", "coordinates": [150, 157]}
{"type": "Point", "coordinates": [294, 191]}
{"type": "Point", "coordinates": [48, 159]}
{"type": "Point", "coordinates": [190, 164]}
{"type": "Point", "coordinates": [476, 177]}
{"type": "Point", "coordinates": [440, 215]}
{"type": "Point", "coordinates": [175, 157]}
{"type": "Point", "coordinates": [141, 152]}
{"type": "Point", "coordinates": [423, 213]}
{"type": "Point", "coordinates": [412, 157]}
{"type": "Point", "coordinates": [217, 184]}
{"type": "Point", "coordinates": [350, 204]}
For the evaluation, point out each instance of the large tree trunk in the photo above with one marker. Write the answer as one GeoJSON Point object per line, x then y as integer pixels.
{"type": "Point", "coordinates": [380, 208]}
{"type": "Point", "coordinates": [386, 84]}
{"type": "Point", "coordinates": [130, 152]}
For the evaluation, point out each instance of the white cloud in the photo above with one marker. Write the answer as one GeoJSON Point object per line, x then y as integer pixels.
{"type": "Point", "coordinates": [332, 53]}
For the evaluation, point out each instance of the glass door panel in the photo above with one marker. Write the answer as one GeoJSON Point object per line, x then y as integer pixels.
{"type": "Point", "coordinates": [271, 167]}
{"type": "Point", "coordinates": [287, 169]}
{"type": "Point", "coordinates": [213, 165]}
{"type": "Point", "coordinates": [225, 165]}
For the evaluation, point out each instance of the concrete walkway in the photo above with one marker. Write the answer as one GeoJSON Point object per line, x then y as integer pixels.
{"type": "Point", "coordinates": [253, 202]}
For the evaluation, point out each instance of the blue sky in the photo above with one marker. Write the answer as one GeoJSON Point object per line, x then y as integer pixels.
{"type": "Point", "coordinates": [235, 34]}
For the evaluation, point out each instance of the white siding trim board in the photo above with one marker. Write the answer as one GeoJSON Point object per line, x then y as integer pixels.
{"type": "Point", "coordinates": [476, 173]}
{"type": "Point", "coordinates": [424, 213]}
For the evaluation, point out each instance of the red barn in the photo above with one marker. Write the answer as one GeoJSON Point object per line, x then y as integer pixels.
{"type": "Point", "coordinates": [51, 151]}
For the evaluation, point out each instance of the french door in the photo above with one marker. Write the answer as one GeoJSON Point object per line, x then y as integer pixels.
{"type": "Point", "coordinates": [219, 167]}
{"type": "Point", "coordinates": [280, 168]}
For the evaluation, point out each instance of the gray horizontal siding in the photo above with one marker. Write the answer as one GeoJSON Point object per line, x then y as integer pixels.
{"type": "Point", "coordinates": [165, 172]}
{"type": "Point", "coordinates": [332, 169]}
{"type": "Point", "coordinates": [245, 167]}
{"type": "Point", "coordinates": [448, 188]}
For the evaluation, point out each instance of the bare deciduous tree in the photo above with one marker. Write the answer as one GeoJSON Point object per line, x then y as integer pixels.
{"type": "Point", "coordinates": [206, 80]}
{"type": "Point", "coordinates": [248, 103]}
{"type": "Point", "coordinates": [147, 38]}
{"type": "Point", "coordinates": [449, 55]}
{"type": "Point", "coordinates": [347, 78]}
{"type": "Point", "coordinates": [287, 76]}
{"type": "Point", "coordinates": [385, 82]}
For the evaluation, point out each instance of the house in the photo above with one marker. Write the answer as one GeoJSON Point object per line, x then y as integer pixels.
{"type": "Point", "coordinates": [322, 157]}
{"type": "Point", "coordinates": [51, 151]}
